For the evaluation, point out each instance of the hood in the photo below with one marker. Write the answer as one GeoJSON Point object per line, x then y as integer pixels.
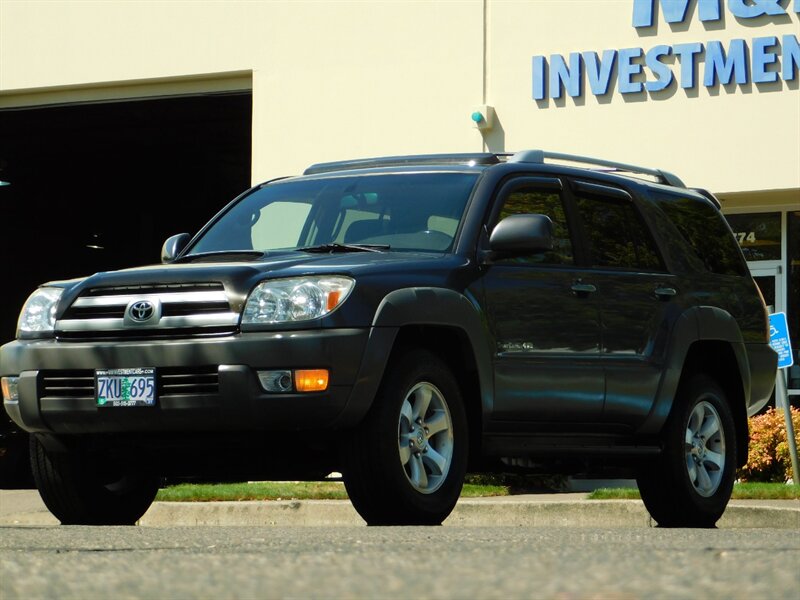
{"type": "Point", "coordinates": [239, 278]}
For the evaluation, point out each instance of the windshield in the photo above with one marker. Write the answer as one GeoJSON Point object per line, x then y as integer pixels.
{"type": "Point", "coordinates": [409, 211]}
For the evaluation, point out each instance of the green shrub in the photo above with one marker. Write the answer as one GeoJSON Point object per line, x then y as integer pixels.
{"type": "Point", "coordinates": [769, 458]}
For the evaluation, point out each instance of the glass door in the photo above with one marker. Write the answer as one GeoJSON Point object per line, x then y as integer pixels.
{"type": "Point", "coordinates": [769, 281]}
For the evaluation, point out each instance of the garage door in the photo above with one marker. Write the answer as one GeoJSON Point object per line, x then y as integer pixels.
{"type": "Point", "coordinates": [100, 186]}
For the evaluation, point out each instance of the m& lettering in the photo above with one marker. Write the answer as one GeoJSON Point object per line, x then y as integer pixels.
{"type": "Point", "coordinates": [677, 11]}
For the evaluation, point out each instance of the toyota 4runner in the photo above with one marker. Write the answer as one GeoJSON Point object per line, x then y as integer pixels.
{"type": "Point", "coordinates": [403, 320]}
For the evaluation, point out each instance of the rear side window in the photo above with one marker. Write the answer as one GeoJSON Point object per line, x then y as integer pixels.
{"type": "Point", "coordinates": [616, 236]}
{"type": "Point", "coordinates": [705, 231]}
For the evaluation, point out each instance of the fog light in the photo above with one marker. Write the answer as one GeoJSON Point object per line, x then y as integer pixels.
{"type": "Point", "coordinates": [311, 380]}
{"type": "Point", "coordinates": [276, 381]}
{"type": "Point", "coordinates": [10, 390]}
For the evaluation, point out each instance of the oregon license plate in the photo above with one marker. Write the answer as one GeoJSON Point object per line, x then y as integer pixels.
{"type": "Point", "coordinates": [126, 387]}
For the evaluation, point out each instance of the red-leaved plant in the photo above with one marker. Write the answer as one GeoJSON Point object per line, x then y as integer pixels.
{"type": "Point", "coordinates": [769, 459]}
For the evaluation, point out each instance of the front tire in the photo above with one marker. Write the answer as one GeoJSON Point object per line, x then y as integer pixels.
{"type": "Point", "coordinates": [405, 463]}
{"type": "Point", "coordinates": [691, 483]}
{"type": "Point", "coordinates": [80, 488]}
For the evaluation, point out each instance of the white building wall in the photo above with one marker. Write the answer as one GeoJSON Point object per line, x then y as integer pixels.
{"type": "Point", "coordinates": [330, 80]}
{"type": "Point", "coordinates": [334, 80]}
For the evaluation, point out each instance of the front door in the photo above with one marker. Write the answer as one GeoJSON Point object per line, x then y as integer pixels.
{"type": "Point", "coordinates": [544, 315]}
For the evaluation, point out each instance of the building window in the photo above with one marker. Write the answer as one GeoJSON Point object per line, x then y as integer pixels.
{"type": "Point", "coordinates": [758, 234]}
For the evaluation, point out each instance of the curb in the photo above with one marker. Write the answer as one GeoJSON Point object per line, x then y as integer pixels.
{"type": "Point", "coordinates": [468, 513]}
{"type": "Point", "coordinates": [568, 510]}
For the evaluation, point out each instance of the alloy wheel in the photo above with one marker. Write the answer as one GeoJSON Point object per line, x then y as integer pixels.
{"type": "Point", "coordinates": [705, 449]}
{"type": "Point", "coordinates": [425, 437]}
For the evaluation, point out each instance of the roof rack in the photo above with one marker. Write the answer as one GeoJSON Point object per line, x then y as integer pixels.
{"type": "Point", "coordinates": [538, 156]}
{"type": "Point", "coordinates": [478, 158]}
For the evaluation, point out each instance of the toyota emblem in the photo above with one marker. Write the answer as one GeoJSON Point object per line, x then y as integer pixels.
{"type": "Point", "coordinates": [141, 311]}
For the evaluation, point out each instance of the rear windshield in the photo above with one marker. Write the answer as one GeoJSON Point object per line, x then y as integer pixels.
{"type": "Point", "coordinates": [705, 231]}
{"type": "Point", "coordinates": [409, 211]}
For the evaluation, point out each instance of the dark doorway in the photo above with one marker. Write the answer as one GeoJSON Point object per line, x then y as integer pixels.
{"type": "Point", "coordinates": [95, 187]}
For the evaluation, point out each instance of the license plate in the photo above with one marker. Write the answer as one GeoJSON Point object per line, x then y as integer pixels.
{"type": "Point", "coordinates": [126, 387]}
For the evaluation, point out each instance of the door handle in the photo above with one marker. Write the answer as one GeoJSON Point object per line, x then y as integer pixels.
{"type": "Point", "coordinates": [582, 289]}
{"type": "Point", "coordinates": [665, 293]}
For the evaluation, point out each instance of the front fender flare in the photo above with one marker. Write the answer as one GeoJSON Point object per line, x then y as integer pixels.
{"type": "Point", "coordinates": [417, 306]}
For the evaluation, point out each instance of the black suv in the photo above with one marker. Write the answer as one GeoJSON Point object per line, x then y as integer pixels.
{"type": "Point", "coordinates": [403, 320]}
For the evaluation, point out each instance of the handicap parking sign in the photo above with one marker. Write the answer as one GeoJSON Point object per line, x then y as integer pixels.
{"type": "Point", "coordinates": [779, 339]}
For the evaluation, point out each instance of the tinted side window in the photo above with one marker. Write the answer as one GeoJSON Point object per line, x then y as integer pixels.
{"type": "Point", "coordinates": [526, 200]}
{"type": "Point", "coordinates": [616, 236]}
{"type": "Point", "coordinates": [705, 231]}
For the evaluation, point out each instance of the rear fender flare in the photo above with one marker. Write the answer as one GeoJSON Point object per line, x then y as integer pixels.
{"type": "Point", "coordinates": [699, 323]}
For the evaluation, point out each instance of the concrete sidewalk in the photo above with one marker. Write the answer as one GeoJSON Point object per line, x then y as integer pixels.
{"type": "Point", "coordinates": [24, 507]}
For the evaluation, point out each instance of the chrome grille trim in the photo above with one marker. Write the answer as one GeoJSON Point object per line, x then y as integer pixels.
{"type": "Point", "coordinates": [167, 298]}
{"type": "Point", "coordinates": [202, 320]}
{"type": "Point", "coordinates": [179, 309]}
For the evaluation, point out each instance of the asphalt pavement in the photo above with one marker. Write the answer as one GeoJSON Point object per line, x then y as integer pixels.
{"type": "Point", "coordinates": [24, 507]}
{"type": "Point", "coordinates": [403, 563]}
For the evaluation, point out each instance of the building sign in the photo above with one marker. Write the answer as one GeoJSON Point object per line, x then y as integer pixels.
{"type": "Point", "coordinates": [765, 59]}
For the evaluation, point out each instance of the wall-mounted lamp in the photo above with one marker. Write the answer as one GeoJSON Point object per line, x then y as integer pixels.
{"type": "Point", "coordinates": [483, 117]}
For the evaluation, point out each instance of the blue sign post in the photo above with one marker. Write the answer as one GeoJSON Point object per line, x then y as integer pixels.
{"type": "Point", "coordinates": [780, 342]}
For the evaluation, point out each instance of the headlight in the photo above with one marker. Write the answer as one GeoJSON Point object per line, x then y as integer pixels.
{"type": "Point", "coordinates": [38, 315]}
{"type": "Point", "coordinates": [295, 299]}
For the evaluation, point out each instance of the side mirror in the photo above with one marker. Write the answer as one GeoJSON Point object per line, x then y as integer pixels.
{"type": "Point", "coordinates": [522, 234]}
{"type": "Point", "coordinates": [174, 246]}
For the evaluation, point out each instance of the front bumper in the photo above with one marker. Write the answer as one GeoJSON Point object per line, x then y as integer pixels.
{"type": "Point", "coordinates": [233, 400]}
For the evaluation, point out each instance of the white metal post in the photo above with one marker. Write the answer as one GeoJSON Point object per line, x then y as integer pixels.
{"type": "Point", "coordinates": [782, 394]}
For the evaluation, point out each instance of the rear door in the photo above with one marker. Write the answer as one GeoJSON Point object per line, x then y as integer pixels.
{"type": "Point", "coordinates": [636, 297]}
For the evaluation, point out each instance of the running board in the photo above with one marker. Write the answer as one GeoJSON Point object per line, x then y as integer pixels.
{"type": "Point", "coordinates": [568, 446]}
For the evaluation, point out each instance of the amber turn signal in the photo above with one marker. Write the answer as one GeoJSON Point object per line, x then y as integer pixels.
{"type": "Point", "coordinates": [311, 380]}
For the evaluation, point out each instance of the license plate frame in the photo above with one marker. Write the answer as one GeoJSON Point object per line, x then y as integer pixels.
{"type": "Point", "coordinates": [131, 387]}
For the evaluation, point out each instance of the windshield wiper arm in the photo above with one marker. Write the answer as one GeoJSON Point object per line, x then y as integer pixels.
{"type": "Point", "coordinates": [334, 247]}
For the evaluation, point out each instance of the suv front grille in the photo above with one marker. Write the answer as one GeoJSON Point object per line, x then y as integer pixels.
{"type": "Point", "coordinates": [170, 381]}
{"type": "Point", "coordinates": [74, 385]}
{"type": "Point", "coordinates": [191, 309]}
{"type": "Point", "coordinates": [184, 381]}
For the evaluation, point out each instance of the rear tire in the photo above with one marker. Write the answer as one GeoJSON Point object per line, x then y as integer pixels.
{"type": "Point", "coordinates": [80, 488]}
{"type": "Point", "coordinates": [405, 463]}
{"type": "Point", "coordinates": [691, 483]}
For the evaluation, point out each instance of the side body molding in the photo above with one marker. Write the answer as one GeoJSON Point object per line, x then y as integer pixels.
{"type": "Point", "coordinates": [699, 323]}
{"type": "Point", "coordinates": [417, 306]}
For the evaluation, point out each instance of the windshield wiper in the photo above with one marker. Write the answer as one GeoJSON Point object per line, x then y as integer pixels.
{"type": "Point", "coordinates": [227, 255]}
{"type": "Point", "coordinates": [334, 247]}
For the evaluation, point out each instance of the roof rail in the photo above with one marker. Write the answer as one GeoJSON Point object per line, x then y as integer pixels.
{"type": "Point", "coordinates": [478, 158]}
{"type": "Point", "coordinates": [539, 156]}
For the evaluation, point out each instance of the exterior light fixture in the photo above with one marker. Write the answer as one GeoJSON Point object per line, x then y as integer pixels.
{"type": "Point", "coordinates": [483, 117]}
